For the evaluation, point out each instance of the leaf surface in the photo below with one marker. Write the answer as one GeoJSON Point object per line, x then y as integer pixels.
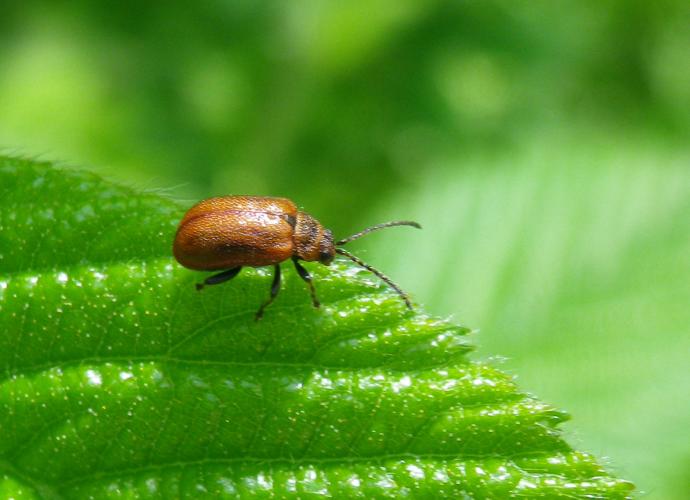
{"type": "Point", "coordinates": [120, 379]}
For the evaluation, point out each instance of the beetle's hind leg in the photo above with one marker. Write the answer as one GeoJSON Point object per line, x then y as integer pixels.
{"type": "Point", "coordinates": [275, 288]}
{"type": "Point", "coordinates": [304, 274]}
{"type": "Point", "coordinates": [220, 277]}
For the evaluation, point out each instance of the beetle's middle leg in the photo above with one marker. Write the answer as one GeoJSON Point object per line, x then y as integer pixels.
{"type": "Point", "coordinates": [304, 274]}
{"type": "Point", "coordinates": [221, 277]}
{"type": "Point", "coordinates": [275, 288]}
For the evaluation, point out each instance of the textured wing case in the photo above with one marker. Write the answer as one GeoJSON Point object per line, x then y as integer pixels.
{"type": "Point", "coordinates": [231, 231]}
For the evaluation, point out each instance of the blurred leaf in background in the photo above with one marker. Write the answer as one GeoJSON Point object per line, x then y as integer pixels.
{"type": "Point", "coordinates": [544, 146]}
{"type": "Point", "coordinates": [575, 264]}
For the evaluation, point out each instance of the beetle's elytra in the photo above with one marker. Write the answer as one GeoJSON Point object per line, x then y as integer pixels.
{"type": "Point", "coordinates": [229, 232]}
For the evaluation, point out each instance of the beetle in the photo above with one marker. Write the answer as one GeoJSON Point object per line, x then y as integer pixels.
{"type": "Point", "coordinates": [230, 232]}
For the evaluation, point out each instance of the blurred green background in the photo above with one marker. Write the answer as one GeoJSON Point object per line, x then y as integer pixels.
{"type": "Point", "coordinates": [543, 145]}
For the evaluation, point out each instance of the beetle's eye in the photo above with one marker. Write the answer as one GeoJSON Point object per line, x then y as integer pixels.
{"type": "Point", "coordinates": [326, 257]}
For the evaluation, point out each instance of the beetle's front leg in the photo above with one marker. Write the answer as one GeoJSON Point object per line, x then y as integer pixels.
{"type": "Point", "coordinates": [304, 274]}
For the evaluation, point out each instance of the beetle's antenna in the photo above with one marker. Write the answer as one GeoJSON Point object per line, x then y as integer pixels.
{"type": "Point", "coordinates": [378, 273]}
{"type": "Point", "coordinates": [376, 228]}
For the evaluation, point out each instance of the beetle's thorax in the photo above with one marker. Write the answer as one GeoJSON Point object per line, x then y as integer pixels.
{"type": "Point", "coordinates": [311, 241]}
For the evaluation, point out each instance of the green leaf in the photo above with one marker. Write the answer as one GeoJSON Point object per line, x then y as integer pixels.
{"type": "Point", "coordinates": [570, 251]}
{"type": "Point", "coordinates": [120, 379]}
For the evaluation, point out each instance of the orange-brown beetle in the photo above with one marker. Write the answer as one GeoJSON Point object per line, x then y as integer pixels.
{"type": "Point", "coordinates": [230, 232]}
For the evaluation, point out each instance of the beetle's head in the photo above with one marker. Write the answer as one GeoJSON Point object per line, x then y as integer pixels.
{"type": "Point", "coordinates": [326, 248]}
{"type": "Point", "coordinates": [312, 241]}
